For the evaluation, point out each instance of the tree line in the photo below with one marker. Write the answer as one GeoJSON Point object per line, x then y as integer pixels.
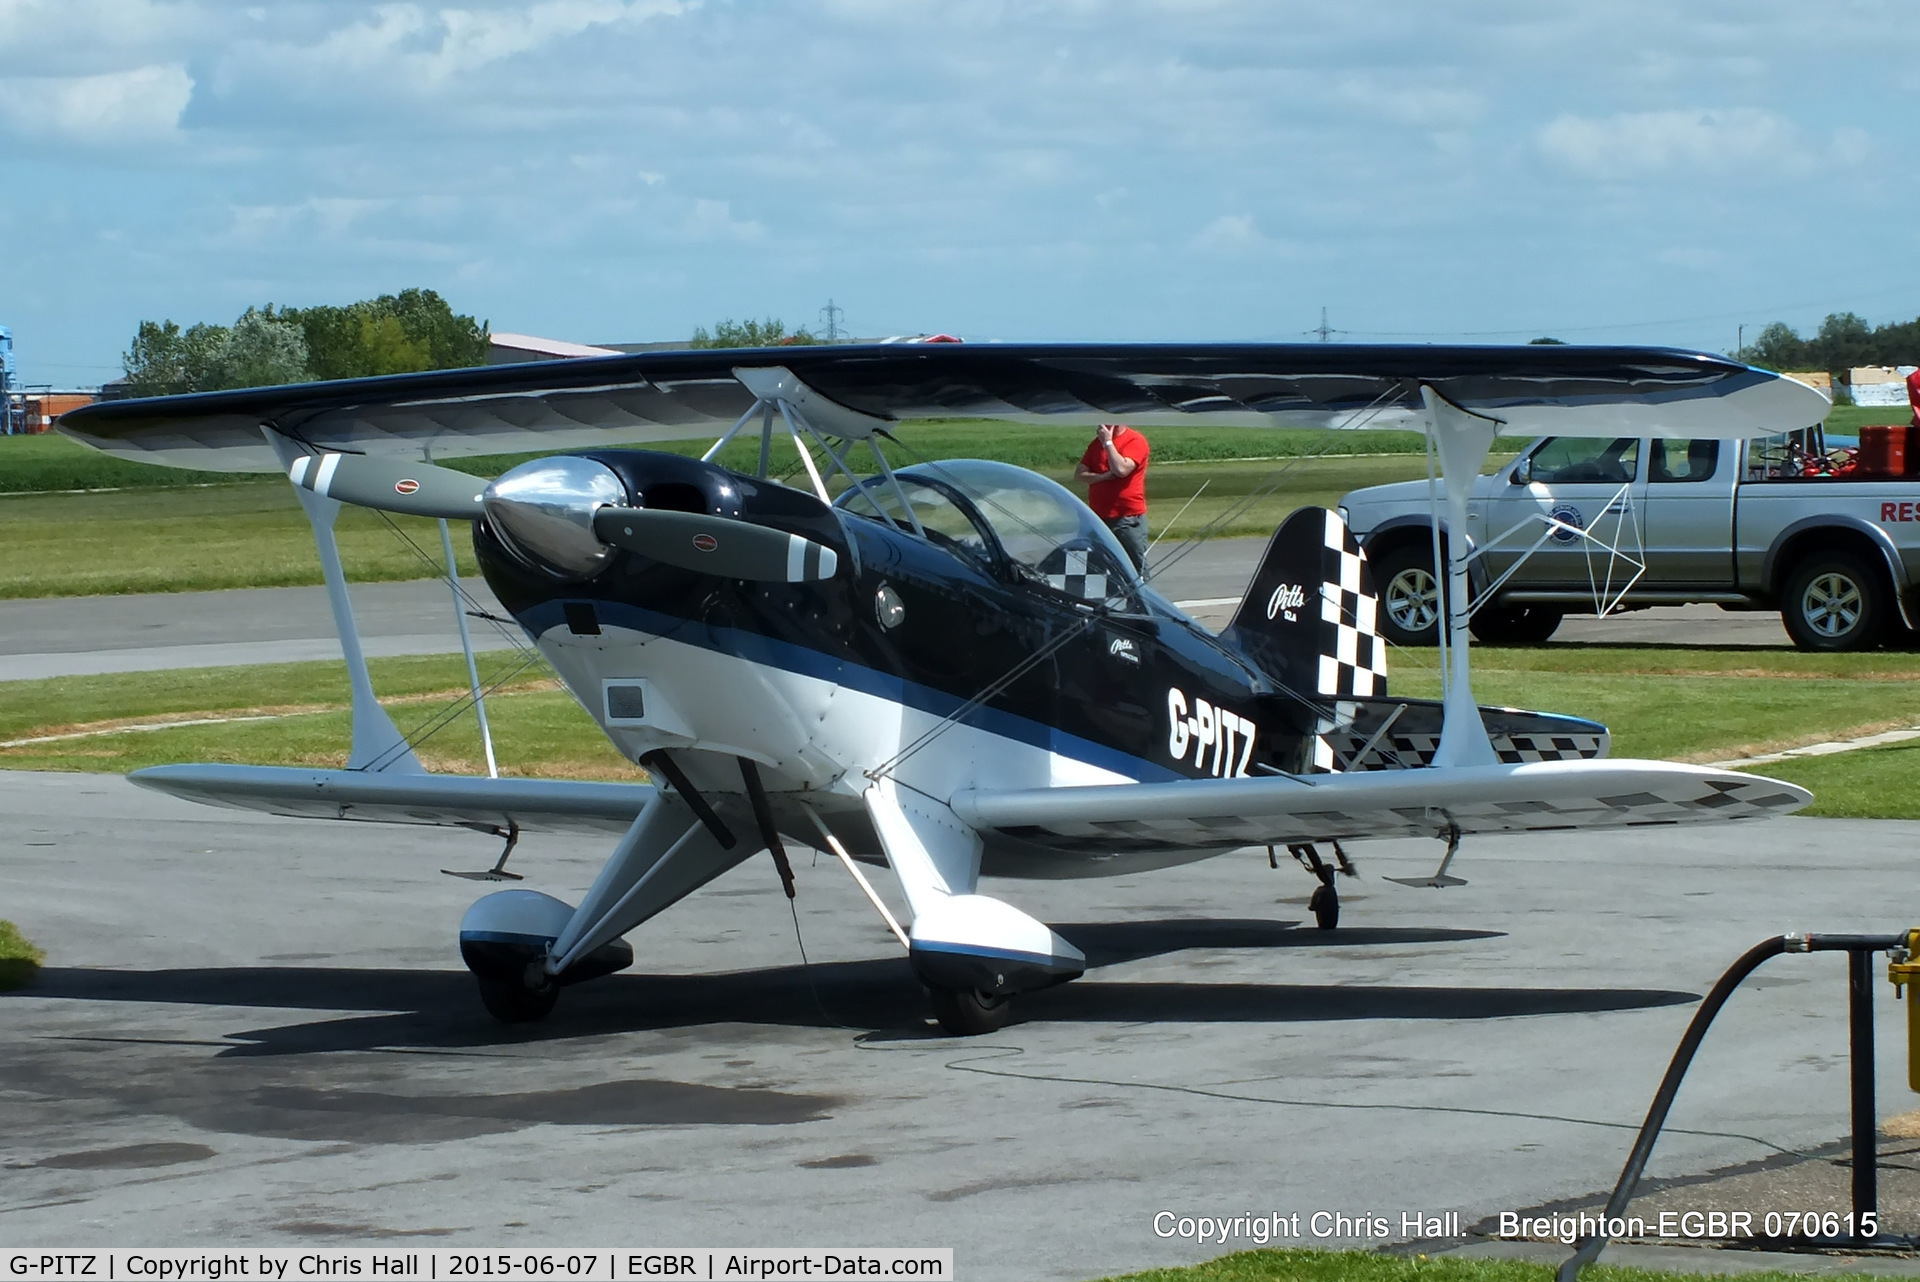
{"type": "Point", "coordinates": [1844, 341]}
{"type": "Point", "coordinates": [265, 346]}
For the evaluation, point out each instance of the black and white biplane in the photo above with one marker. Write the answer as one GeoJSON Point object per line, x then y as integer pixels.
{"type": "Point", "coordinates": [949, 669]}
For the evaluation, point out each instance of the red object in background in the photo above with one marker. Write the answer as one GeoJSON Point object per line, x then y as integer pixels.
{"type": "Point", "coordinates": [1883, 450]}
{"type": "Point", "coordinates": [1913, 395]}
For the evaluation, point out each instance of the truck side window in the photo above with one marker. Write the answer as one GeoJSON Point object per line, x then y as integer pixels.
{"type": "Point", "coordinates": [1683, 460]}
{"type": "Point", "coordinates": [1585, 458]}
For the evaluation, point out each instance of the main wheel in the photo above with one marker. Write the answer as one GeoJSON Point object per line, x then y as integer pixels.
{"type": "Point", "coordinates": [1325, 906]}
{"type": "Point", "coordinates": [1835, 601]}
{"type": "Point", "coordinates": [1409, 595]}
{"type": "Point", "coordinates": [512, 1002]}
{"type": "Point", "coordinates": [966, 1013]}
{"type": "Point", "coordinates": [1514, 624]}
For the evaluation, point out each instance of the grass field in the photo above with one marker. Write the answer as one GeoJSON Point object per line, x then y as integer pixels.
{"type": "Point", "coordinates": [1731, 702]}
{"type": "Point", "coordinates": [19, 959]}
{"type": "Point", "coordinates": [253, 534]}
{"type": "Point", "coordinates": [1367, 1266]}
{"type": "Point", "coordinates": [159, 529]}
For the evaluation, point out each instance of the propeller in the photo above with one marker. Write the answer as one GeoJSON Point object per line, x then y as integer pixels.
{"type": "Point", "coordinates": [716, 545]}
{"type": "Point", "coordinates": [558, 511]}
{"type": "Point", "coordinates": [412, 489]}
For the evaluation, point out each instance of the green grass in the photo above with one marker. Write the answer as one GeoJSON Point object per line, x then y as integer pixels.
{"type": "Point", "coordinates": [538, 729]}
{"type": "Point", "coordinates": [252, 533]}
{"type": "Point", "coordinates": [1715, 703]}
{"type": "Point", "coordinates": [49, 461]}
{"type": "Point", "coordinates": [1660, 702]}
{"type": "Point", "coordinates": [19, 959]}
{"type": "Point", "coordinates": [1871, 783]}
{"type": "Point", "coordinates": [1368, 1266]}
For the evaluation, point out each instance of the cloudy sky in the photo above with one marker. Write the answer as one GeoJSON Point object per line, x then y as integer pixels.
{"type": "Point", "coordinates": [624, 170]}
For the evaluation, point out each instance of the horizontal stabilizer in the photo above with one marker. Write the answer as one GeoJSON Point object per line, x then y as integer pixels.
{"type": "Point", "coordinates": [463, 801]}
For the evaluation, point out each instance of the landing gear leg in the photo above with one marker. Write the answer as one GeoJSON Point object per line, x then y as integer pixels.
{"type": "Point", "coordinates": [1324, 903]}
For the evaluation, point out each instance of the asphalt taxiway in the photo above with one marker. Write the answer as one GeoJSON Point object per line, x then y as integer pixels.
{"type": "Point", "coordinates": [256, 1031]}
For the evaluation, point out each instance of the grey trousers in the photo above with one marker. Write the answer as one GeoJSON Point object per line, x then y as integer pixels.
{"type": "Point", "coordinates": [1132, 533]}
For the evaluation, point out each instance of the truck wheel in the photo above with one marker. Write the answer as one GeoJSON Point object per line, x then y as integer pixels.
{"type": "Point", "coordinates": [1835, 601]}
{"type": "Point", "coordinates": [1409, 595]}
{"type": "Point", "coordinates": [1514, 624]}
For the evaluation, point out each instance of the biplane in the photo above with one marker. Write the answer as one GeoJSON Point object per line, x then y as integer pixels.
{"type": "Point", "coordinates": [948, 669]}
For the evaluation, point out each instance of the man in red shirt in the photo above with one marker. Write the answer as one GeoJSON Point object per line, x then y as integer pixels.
{"type": "Point", "coordinates": [1913, 397]}
{"type": "Point", "coordinates": [1115, 469]}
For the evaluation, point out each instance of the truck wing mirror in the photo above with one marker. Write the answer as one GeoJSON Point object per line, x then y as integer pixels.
{"type": "Point", "coordinates": [1523, 471]}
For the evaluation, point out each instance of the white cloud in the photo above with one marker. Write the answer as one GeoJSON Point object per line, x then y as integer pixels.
{"type": "Point", "coordinates": [1230, 234]}
{"type": "Point", "coordinates": [141, 105]}
{"type": "Point", "coordinates": [1643, 143]}
{"type": "Point", "coordinates": [445, 44]}
{"type": "Point", "coordinates": [714, 220]}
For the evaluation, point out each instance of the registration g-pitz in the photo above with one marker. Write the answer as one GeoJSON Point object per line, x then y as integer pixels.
{"type": "Point", "coordinates": [948, 669]}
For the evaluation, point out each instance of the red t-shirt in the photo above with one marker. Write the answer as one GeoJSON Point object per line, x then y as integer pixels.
{"type": "Point", "coordinates": [1913, 395]}
{"type": "Point", "coordinates": [1111, 499]}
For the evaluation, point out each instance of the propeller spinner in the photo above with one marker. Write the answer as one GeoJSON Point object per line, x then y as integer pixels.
{"type": "Point", "coordinates": [568, 514]}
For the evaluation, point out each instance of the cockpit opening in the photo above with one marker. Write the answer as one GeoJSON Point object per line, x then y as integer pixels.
{"type": "Point", "coordinates": [1005, 518]}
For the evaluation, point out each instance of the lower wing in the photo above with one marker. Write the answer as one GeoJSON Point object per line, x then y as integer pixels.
{"type": "Point", "coordinates": [1220, 814]}
{"type": "Point", "coordinates": [488, 805]}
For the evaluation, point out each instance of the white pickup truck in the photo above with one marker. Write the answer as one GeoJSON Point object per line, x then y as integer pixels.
{"type": "Point", "coordinates": [1772, 524]}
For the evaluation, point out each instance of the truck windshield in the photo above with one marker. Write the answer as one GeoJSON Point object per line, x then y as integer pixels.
{"type": "Point", "coordinates": [1562, 459]}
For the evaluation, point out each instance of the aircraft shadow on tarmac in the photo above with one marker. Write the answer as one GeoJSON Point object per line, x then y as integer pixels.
{"type": "Point", "coordinates": [439, 1009]}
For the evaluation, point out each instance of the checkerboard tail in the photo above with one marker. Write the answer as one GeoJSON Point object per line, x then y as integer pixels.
{"type": "Point", "coordinates": [1310, 618]}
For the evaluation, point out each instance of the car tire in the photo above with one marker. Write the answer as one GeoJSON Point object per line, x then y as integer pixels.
{"type": "Point", "coordinates": [1834, 601]}
{"type": "Point", "coordinates": [1494, 624]}
{"type": "Point", "coordinates": [1410, 597]}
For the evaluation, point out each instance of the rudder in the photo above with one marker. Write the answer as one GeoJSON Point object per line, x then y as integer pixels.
{"type": "Point", "coordinates": [1310, 618]}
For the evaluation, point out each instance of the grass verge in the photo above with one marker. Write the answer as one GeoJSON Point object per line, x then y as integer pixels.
{"type": "Point", "coordinates": [19, 959]}
{"type": "Point", "coordinates": [298, 714]}
{"type": "Point", "coordinates": [1368, 1266]}
{"type": "Point", "coordinates": [251, 533]}
{"type": "Point", "coordinates": [1661, 702]}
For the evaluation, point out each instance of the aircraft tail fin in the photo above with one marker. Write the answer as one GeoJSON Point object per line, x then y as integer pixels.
{"type": "Point", "coordinates": [1310, 618]}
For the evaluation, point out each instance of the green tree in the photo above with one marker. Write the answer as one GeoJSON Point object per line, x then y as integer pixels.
{"type": "Point", "coordinates": [392, 334]}
{"type": "Point", "coordinates": [1844, 341]}
{"type": "Point", "coordinates": [1777, 347]}
{"type": "Point", "coordinates": [751, 333]}
{"type": "Point", "coordinates": [400, 333]}
{"type": "Point", "coordinates": [1546, 342]}
{"type": "Point", "coordinates": [261, 350]}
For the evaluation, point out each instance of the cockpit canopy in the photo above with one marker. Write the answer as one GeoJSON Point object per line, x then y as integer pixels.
{"type": "Point", "coordinates": [996, 513]}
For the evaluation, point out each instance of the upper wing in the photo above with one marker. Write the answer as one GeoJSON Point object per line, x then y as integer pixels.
{"type": "Point", "coordinates": [661, 396]}
{"type": "Point", "coordinates": [1220, 814]}
{"type": "Point", "coordinates": [490, 805]}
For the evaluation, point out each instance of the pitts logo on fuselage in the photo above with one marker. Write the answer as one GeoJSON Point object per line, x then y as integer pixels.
{"type": "Point", "coordinates": [1222, 741]}
{"type": "Point", "coordinates": [1287, 600]}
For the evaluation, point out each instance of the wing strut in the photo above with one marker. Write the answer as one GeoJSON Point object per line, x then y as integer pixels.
{"type": "Point", "coordinates": [466, 644]}
{"type": "Point", "coordinates": [1463, 439]}
{"type": "Point", "coordinates": [378, 744]}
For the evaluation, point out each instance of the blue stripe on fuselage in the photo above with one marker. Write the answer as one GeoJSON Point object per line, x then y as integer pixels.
{"type": "Point", "coordinates": [755, 647]}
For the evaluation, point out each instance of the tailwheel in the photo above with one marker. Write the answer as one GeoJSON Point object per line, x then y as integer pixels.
{"type": "Point", "coordinates": [967, 1012]}
{"type": "Point", "coordinates": [516, 1001]}
{"type": "Point", "coordinates": [1324, 904]}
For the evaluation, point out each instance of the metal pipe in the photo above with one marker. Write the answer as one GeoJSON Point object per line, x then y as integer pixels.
{"type": "Point", "coordinates": [1866, 1195]}
{"type": "Point", "coordinates": [1862, 947]}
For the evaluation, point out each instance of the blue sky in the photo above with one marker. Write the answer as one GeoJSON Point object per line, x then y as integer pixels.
{"type": "Point", "coordinates": [609, 170]}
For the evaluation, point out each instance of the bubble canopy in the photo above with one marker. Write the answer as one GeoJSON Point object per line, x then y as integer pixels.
{"type": "Point", "coordinates": [1034, 520]}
